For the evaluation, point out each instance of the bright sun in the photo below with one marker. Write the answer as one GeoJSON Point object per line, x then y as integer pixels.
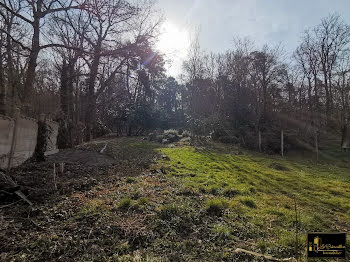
{"type": "Point", "coordinates": [173, 43]}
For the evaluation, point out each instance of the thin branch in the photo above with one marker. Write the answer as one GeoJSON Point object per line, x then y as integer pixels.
{"type": "Point", "coordinates": [16, 41]}
{"type": "Point", "coordinates": [62, 46]}
{"type": "Point", "coordinates": [16, 14]}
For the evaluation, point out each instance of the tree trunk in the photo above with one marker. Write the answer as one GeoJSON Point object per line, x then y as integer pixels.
{"type": "Point", "coordinates": [2, 81]}
{"type": "Point", "coordinates": [32, 63]}
{"type": "Point", "coordinates": [328, 99]}
{"type": "Point", "coordinates": [309, 93]}
{"type": "Point", "coordinates": [91, 99]}
{"type": "Point", "coordinates": [316, 93]}
{"type": "Point", "coordinates": [259, 140]}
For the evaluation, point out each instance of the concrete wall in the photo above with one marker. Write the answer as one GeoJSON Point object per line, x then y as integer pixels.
{"type": "Point", "coordinates": [6, 133]}
{"type": "Point", "coordinates": [25, 142]}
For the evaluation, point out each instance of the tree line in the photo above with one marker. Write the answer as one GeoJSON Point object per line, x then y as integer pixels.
{"type": "Point", "coordinates": [248, 91]}
{"type": "Point", "coordinates": [92, 66]}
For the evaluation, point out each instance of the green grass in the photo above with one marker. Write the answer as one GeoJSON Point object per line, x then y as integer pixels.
{"type": "Point", "coordinates": [94, 207]}
{"type": "Point", "coordinates": [266, 190]}
{"type": "Point", "coordinates": [217, 206]}
{"type": "Point", "coordinates": [199, 204]}
{"type": "Point", "coordinates": [125, 203]}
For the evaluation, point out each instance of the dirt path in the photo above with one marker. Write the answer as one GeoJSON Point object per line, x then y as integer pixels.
{"type": "Point", "coordinates": [82, 157]}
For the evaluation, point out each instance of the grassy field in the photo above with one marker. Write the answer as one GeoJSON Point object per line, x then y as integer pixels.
{"type": "Point", "coordinates": [272, 200]}
{"type": "Point", "coordinates": [191, 203]}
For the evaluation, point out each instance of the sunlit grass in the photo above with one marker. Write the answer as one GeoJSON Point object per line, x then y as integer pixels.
{"type": "Point", "coordinates": [269, 191]}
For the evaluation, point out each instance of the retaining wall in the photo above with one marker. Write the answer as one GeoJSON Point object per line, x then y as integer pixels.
{"type": "Point", "coordinates": [25, 142]}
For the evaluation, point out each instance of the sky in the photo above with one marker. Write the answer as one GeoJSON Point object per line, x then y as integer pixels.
{"type": "Point", "coordinates": [219, 21]}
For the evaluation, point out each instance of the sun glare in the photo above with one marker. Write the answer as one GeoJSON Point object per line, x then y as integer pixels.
{"type": "Point", "coordinates": [173, 43]}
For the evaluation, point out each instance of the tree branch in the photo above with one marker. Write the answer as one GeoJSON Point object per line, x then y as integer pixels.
{"type": "Point", "coordinates": [16, 41]}
{"type": "Point", "coordinates": [62, 46]}
{"type": "Point", "coordinates": [50, 11]}
{"type": "Point", "coordinates": [16, 14]}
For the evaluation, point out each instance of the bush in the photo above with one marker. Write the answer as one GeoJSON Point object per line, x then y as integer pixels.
{"type": "Point", "coordinates": [186, 133]}
{"type": "Point", "coordinates": [99, 129]}
{"type": "Point", "coordinates": [154, 136]}
{"type": "Point", "coordinates": [159, 138]}
{"type": "Point", "coordinates": [165, 141]}
{"type": "Point", "coordinates": [171, 132]}
{"type": "Point", "coordinates": [170, 136]}
{"type": "Point", "coordinates": [223, 135]}
{"type": "Point", "coordinates": [217, 206]}
{"type": "Point", "coordinates": [165, 137]}
{"type": "Point", "coordinates": [217, 133]}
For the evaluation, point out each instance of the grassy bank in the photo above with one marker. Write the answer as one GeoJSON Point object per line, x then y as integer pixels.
{"type": "Point", "coordinates": [272, 200]}
{"type": "Point", "coordinates": [187, 204]}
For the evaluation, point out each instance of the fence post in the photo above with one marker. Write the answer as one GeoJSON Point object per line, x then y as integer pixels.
{"type": "Point", "coordinates": [316, 144]}
{"type": "Point", "coordinates": [282, 145]}
{"type": "Point", "coordinates": [14, 139]}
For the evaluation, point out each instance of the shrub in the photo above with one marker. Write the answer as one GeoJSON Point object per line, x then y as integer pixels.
{"type": "Point", "coordinates": [170, 136]}
{"type": "Point", "coordinates": [171, 132]}
{"type": "Point", "coordinates": [154, 136]}
{"type": "Point", "coordinates": [186, 133]}
{"type": "Point", "coordinates": [218, 132]}
{"type": "Point", "coordinates": [159, 138]}
{"type": "Point", "coordinates": [186, 139]}
{"type": "Point", "coordinates": [216, 206]}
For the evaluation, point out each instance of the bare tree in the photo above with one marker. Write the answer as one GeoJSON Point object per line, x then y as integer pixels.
{"type": "Point", "coordinates": [332, 36]}
{"type": "Point", "coordinates": [32, 14]}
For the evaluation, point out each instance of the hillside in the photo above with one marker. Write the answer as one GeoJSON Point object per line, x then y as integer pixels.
{"type": "Point", "coordinates": [181, 202]}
